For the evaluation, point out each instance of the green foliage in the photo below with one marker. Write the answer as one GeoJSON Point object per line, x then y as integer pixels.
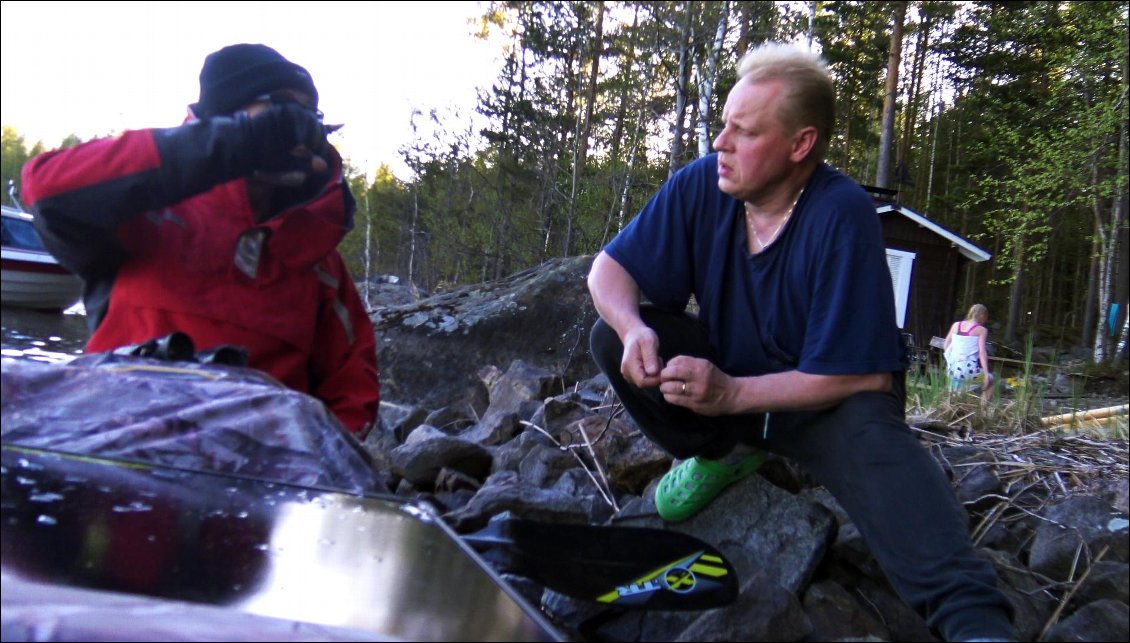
{"type": "Point", "coordinates": [15, 154]}
{"type": "Point", "coordinates": [926, 389]}
{"type": "Point", "coordinates": [1015, 408]}
{"type": "Point", "coordinates": [1025, 152]}
{"type": "Point", "coordinates": [856, 43]}
{"type": "Point", "coordinates": [1011, 116]}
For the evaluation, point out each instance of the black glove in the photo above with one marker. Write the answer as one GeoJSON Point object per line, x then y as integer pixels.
{"type": "Point", "coordinates": [282, 145]}
{"type": "Point", "coordinates": [285, 137]}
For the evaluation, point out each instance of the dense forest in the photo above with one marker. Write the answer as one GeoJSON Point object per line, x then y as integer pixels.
{"type": "Point", "coordinates": [1005, 122]}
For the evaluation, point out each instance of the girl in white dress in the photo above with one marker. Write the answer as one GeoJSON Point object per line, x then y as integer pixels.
{"type": "Point", "coordinates": [966, 354]}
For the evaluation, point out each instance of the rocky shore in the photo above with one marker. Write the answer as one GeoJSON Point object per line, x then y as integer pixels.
{"type": "Point", "coordinates": [492, 406]}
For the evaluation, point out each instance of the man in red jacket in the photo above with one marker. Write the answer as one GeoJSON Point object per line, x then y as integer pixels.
{"type": "Point", "coordinates": [224, 228]}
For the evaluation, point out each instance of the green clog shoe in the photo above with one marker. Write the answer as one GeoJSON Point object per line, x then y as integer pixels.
{"type": "Point", "coordinates": [689, 486]}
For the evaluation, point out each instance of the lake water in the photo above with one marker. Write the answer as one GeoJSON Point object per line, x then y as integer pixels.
{"type": "Point", "coordinates": [44, 336]}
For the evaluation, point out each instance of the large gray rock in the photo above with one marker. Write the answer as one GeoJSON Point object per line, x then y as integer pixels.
{"type": "Point", "coordinates": [629, 459]}
{"type": "Point", "coordinates": [1075, 532]}
{"type": "Point", "coordinates": [1027, 593]}
{"type": "Point", "coordinates": [504, 491]}
{"type": "Point", "coordinates": [758, 527]}
{"type": "Point", "coordinates": [420, 461]}
{"type": "Point", "coordinates": [836, 615]}
{"type": "Point", "coordinates": [1099, 621]}
{"type": "Point", "coordinates": [1105, 579]}
{"type": "Point", "coordinates": [764, 611]}
{"type": "Point", "coordinates": [431, 351]}
{"type": "Point", "coordinates": [763, 529]}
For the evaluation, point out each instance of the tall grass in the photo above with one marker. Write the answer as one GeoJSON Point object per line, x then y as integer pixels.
{"type": "Point", "coordinates": [926, 387]}
{"type": "Point", "coordinates": [1013, 410]}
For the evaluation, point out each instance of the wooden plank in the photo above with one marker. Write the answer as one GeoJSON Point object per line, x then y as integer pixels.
{"type": "Point", "coordinates": [1093, 414]}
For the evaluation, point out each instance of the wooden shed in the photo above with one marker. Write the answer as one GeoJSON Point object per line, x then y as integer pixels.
{"type": "Point", "coordinates": [927, 262]}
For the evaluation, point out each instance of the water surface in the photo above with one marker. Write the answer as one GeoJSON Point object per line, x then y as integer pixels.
{"type": "Point", "coordinates": [44, 336]}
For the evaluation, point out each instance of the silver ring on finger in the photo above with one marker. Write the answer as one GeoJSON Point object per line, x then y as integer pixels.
{"type": "Point", "coordinates": [684, 388]}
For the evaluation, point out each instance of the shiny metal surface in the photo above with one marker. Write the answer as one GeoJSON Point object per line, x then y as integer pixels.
{"type": "Point", "coordinates": [266, 549]}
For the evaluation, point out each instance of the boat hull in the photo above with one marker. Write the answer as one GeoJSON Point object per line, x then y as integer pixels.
{"type": "Point", "coordinates": [32, 277]}
{"type": "Point", "coordinates": [29, 281]}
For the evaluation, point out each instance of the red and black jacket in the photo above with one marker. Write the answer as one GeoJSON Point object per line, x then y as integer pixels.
{"type": "Point", "coordinates": [159, 225]}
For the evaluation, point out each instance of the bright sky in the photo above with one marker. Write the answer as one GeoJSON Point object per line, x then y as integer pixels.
{"type": "Point", "coordinates": [97, 68]}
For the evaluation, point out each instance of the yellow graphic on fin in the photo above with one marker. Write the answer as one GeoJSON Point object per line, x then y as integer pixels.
{"type": "Point", "coordinates": [678, 576]}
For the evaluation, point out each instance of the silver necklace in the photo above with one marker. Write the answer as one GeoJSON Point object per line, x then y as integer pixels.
{"type": "Point", "coordinates": [753, 228]}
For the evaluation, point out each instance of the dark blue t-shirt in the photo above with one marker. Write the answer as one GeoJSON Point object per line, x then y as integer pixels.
{"type": "Point", "coordinates": [819, 299]}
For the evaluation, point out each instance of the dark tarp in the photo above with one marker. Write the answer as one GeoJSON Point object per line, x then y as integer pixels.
{"type": "Point", "coordinates": [201, 417]}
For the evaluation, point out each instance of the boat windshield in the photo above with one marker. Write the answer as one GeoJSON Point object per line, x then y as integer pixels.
{"type": "Point", "coordinates": [21, 234]}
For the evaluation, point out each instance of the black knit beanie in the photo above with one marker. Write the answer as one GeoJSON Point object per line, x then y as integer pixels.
{"type": "Point", "coordinates": [235, 75]}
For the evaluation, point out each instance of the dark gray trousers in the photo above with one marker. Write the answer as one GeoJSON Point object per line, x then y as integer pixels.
{"type": "Point", "coordinates": [865, 455]}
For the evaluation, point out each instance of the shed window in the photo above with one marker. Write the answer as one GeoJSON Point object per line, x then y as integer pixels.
{"type": "Point", "coordinates": [901, 265]}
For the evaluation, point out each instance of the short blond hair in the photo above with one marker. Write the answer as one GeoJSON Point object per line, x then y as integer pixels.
{"type": "Point", "coordinates": [811, 95]}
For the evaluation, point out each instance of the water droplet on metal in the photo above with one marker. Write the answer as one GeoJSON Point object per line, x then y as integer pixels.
{"type": "Point", "coordinates": [46, 496]}
{"type": "Point", "coordinates": [134, 507]}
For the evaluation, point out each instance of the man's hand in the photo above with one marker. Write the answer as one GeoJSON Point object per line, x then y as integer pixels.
{"type": "Point", "coordinates": [697, 384]}
{"type": "Point", "coordinates": [284, 143]}
{"type": "Point", "coordinates": [641, 364]}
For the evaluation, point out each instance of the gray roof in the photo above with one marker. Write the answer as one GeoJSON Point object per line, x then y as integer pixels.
{"type": "Point", "coordinates": [967, 249]}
